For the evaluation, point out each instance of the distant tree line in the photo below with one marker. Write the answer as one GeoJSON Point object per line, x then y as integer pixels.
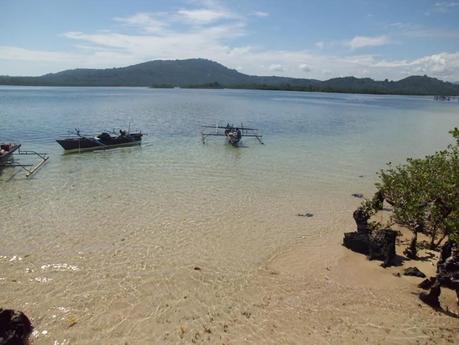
{"type": "Point", "coordinates": [377, 88]}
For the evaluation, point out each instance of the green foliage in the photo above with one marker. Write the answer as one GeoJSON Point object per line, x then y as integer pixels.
{"type": "Point", "coordinates": [377, 202]}
{"type": "Point", "coordinates": [368, 207]}
{"type": "Point", "coordinates": [213, 85]}
{"type": "Point", "coordinates": [424, 193]}
{"type": "Point", "coordinates": [455, 134]}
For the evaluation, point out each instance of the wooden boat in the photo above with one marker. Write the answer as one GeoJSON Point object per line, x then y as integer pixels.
{"type": "Point", "coordinates": [101, 141]}
{"type": "Point", "coordinates": [232, 134]}
{"type": "Point", "coordinates": [7, 150]}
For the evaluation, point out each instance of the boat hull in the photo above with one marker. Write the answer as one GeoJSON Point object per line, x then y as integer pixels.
{"type": "Point", "coordinates": [6, 151]}
{"type": "Point", "coordinates": [233, 136]}
{"type": "Point", "coordinates": [99, 143]}
{"type": "Point", "coordinates": [233, 139]}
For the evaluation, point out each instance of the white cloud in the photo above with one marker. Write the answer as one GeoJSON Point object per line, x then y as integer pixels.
{"type": "Point", "coordinates": [21, 54]}
{"type": "Point", "coordinates": [144, 21]}
{"type": "Point", "coordinates": [276, 68]}
{"type": "Point", "coordinates": [261, 14]}
{"type": "Point", "coordinates": [446, 6]}
{"type": "Point", "coordinates": [89, 57]}
{"type": "Point", "coordinates": [419, 31]}
{"type": "Point", "coordinates": [203, 16]}
{"type": "Point", "coordinates": [368, 41]}
{"type": "Point", "coordinates": [443, 65]}
{"type": "Point", "coordinates": [431, 33]}
{"type": "Point", "coordinates": [305, 68]}
{"type": "Point", "coordinates": [320, 44]}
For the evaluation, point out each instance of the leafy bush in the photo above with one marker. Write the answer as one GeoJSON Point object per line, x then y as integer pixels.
{"type": "Point", "coordinates": [424, 194]}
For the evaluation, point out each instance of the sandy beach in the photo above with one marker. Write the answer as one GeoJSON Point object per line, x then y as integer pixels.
{"type": "Point", "coordinates": [347, 299]}
{"type": "Point", "coordinates": [315, 292]}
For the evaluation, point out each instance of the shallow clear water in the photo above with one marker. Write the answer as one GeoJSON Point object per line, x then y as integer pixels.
{"type": "Point", "coordinates": [109, 234]}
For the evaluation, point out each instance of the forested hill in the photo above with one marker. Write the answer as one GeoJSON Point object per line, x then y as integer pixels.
{"type": "Point", "coordinates": [201, 73]}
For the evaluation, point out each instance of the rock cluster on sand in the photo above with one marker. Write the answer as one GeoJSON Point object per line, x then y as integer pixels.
{"type": "Point", "coordinates": [447, 276]}
{"type": "Point", "coordinates": [377, 245]}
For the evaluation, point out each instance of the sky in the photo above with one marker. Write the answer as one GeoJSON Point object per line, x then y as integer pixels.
{"type": "Point", "coordinates": [318, 39]}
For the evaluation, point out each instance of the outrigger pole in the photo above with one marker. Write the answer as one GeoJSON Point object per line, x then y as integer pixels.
{"type": "Point", "coordinates": [43, 159]}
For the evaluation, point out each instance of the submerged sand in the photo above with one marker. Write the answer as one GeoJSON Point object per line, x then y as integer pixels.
{"type": "Point", "coordinates": [126, 275]}
{"type": "Point", "coordinates": [315, 292]}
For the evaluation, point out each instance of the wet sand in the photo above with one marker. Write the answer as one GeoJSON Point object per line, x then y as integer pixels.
{"type": "Point", "coordinates": [314, 292]}
{"type": "Point", "coordinates": [346, 299]}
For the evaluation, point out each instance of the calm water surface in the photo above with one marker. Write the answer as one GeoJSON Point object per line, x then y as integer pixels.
{"type": "Point", "coordinates": [112, 239]}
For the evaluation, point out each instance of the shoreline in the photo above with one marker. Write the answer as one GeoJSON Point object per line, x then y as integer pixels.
{"type": "Point", "coordinates": [368, 304]}
{"type": "Point", "coordinates": [454, 97]}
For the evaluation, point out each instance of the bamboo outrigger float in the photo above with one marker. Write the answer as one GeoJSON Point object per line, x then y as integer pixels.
{"type": "Point", "coordinates": [233, 134]}
{"type": "Point", "coordinates": [8, 153]}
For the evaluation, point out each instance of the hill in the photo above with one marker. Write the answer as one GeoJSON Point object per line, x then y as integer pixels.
{"type": "Point", "coordinates": [210, 74]}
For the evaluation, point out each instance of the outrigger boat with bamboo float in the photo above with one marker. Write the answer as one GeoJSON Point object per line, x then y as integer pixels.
{"type": "Point", "coordinates": [233, 134]}
{"type": "Point", "coordinates": [8, 153]}
{"type": "Point", "coordinates": [102, 141]}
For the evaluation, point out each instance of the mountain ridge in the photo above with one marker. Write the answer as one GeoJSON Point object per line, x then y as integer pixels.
{"type": "Point", "coordinates": [211, 74]}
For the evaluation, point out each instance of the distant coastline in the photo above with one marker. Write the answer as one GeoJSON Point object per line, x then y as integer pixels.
{"type": "Point", "coordinates": [206, 74]}
{"type": "Point", "coordinates": [287, 87]}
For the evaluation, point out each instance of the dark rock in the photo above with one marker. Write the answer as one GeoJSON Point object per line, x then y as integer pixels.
{"type": "Point", "coordinates": [447, 276]}
{"type": "Point", "coordinates": [414, 272]}
{"type": "Point", "coordinates": [427, 283]}
{"type": "Point", "coordinates": [357, 195]}
{"type": "Point", "coordinates": [378, 245]}
{"type": "Point", "coordinates": [448, 272]}
{"type": "Point", "coordinates": [428, 299]}
{"type": "Point", "coordinates": [357, 241]}
{"type": "Point", "coordinates": [307, 214]}
{"type": "Point", "coordinates": [382, 246]}
{"type": "Point", "coordinates": [446, 251]}
{"type": "Point", "coordinates": [411, 251]}
{"type": "Point", "coordinates": [397, 274]}
{"type": "Point", "coordinates": [15, 327]}
{"type": "Point", "coordinates": [196, 268]}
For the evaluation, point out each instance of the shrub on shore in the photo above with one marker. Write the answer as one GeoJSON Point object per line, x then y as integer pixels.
{"type": "Point", "coordinates": [424, 194]}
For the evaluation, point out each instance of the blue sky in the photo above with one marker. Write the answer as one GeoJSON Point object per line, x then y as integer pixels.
{"type": "Point", "coordinates": [305, 39]}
